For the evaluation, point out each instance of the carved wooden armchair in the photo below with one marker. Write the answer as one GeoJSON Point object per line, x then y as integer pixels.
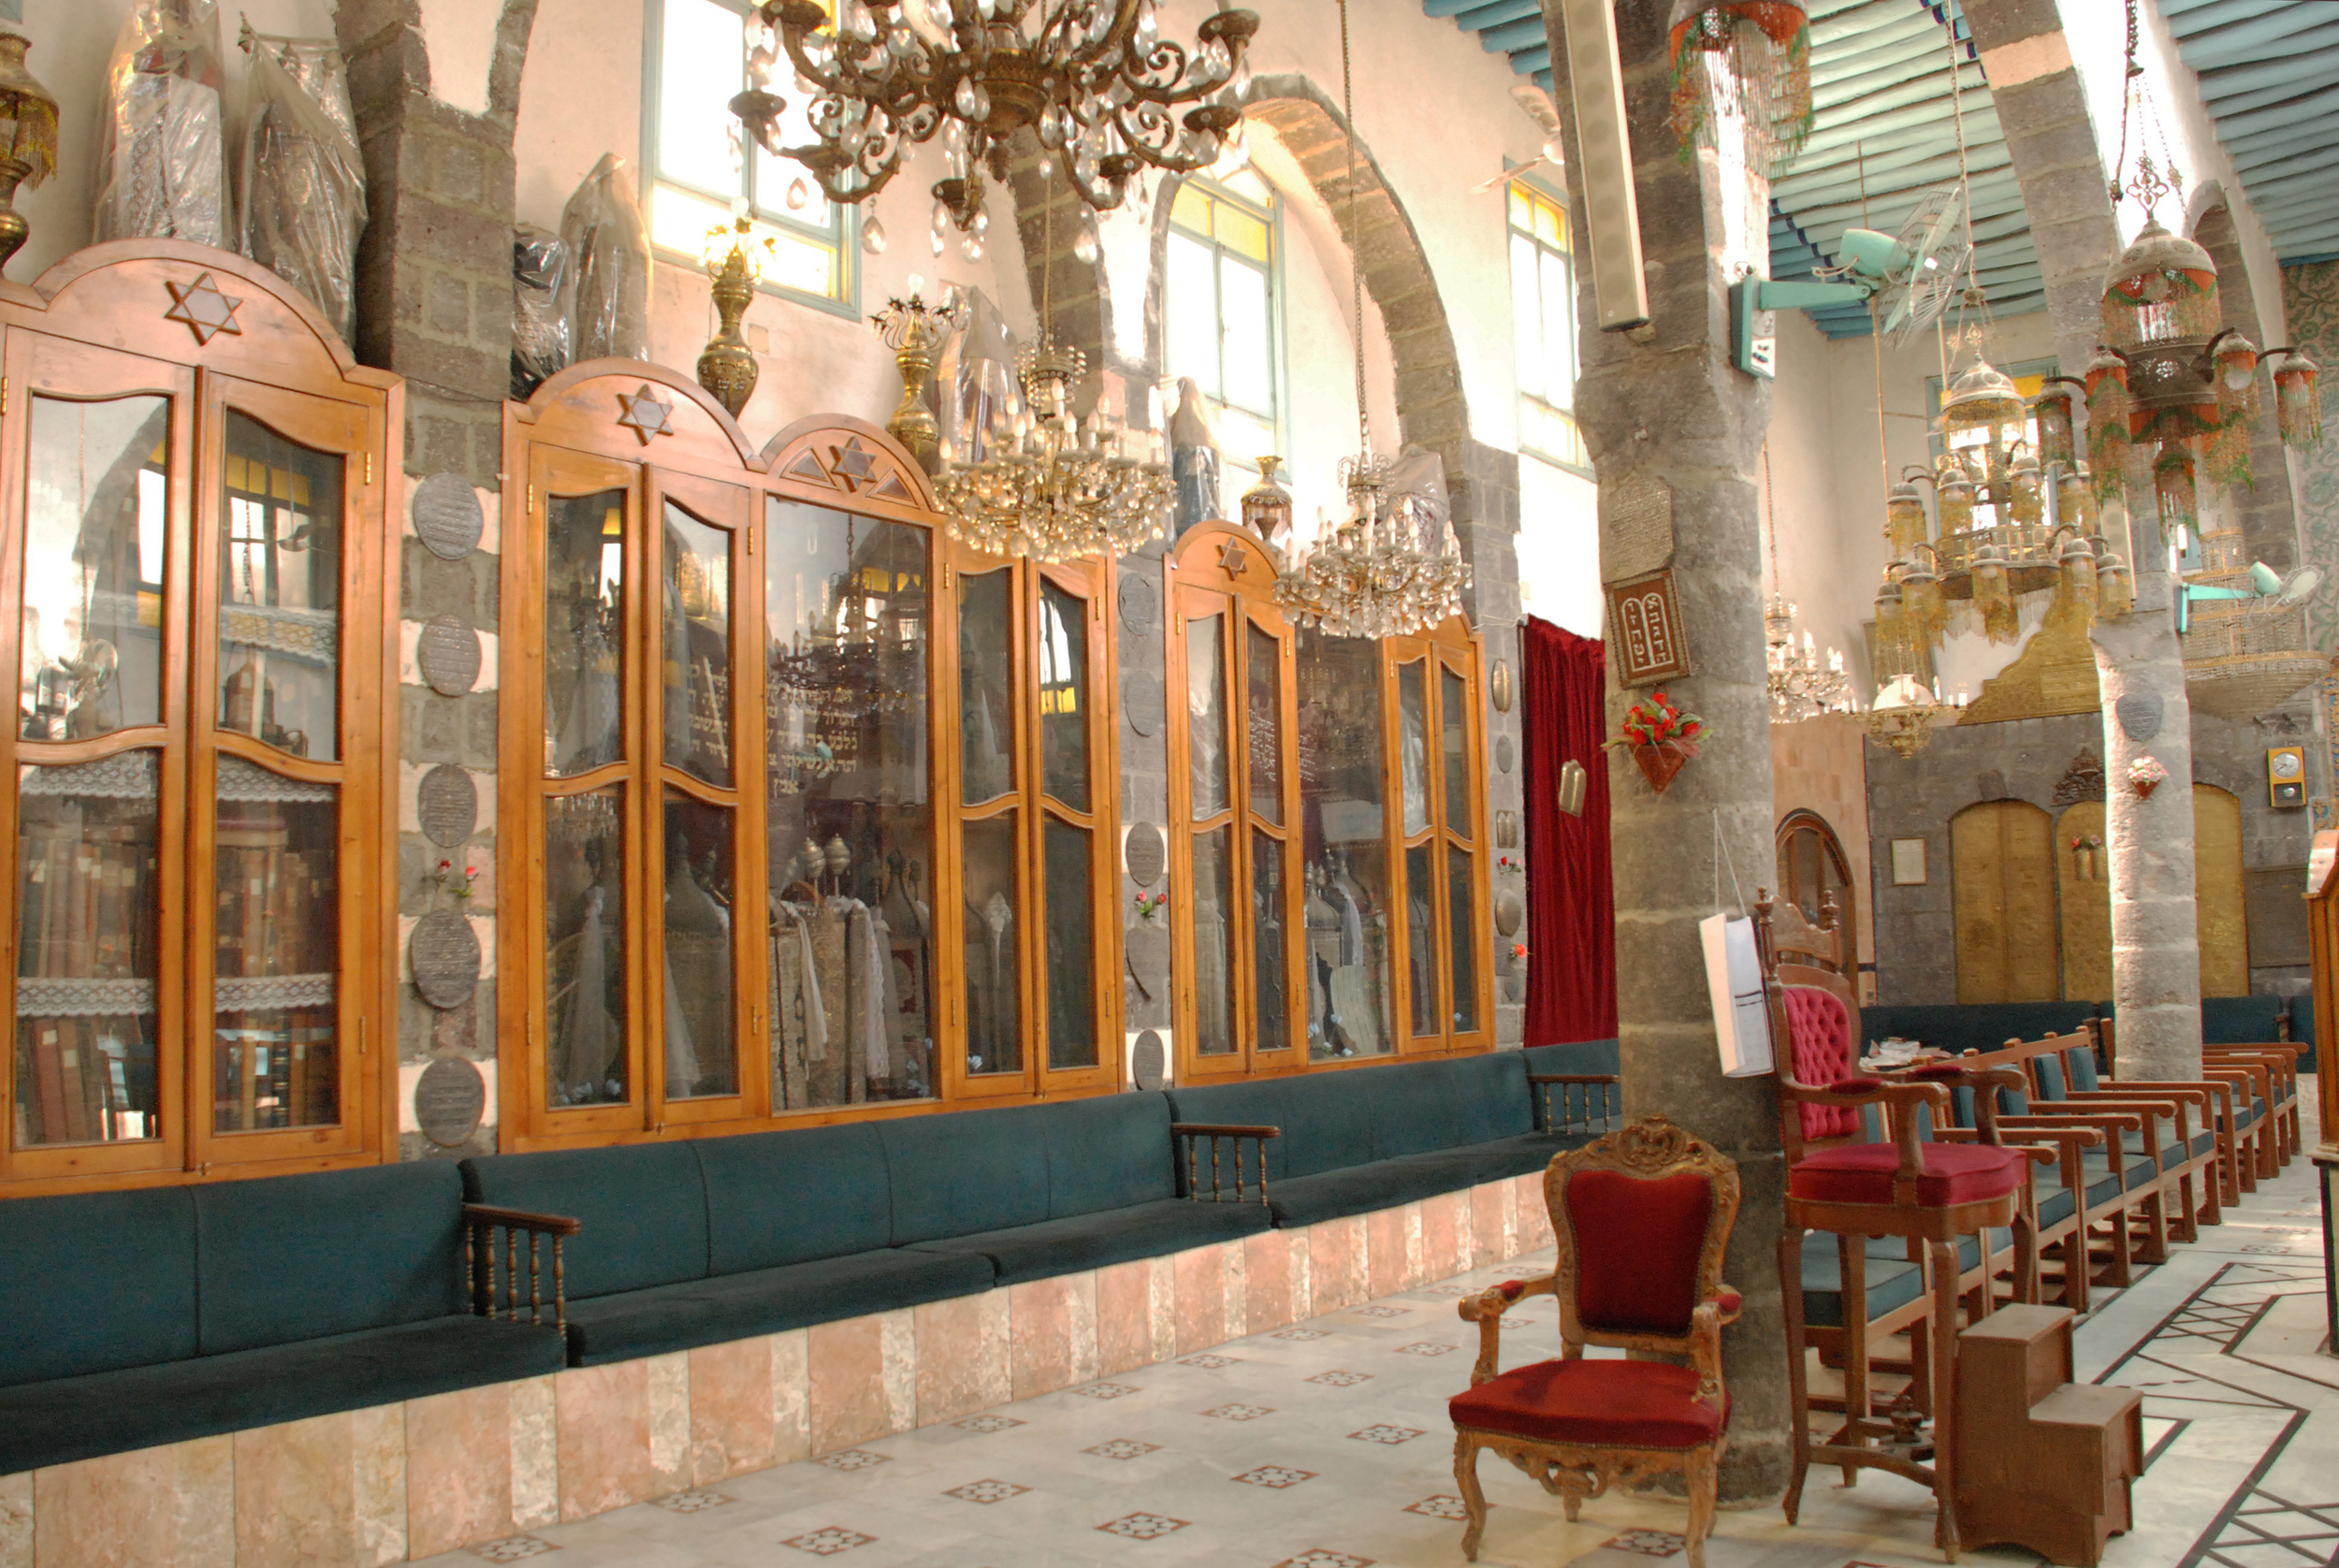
{"type": "Point", "coordinates": [1640, 1219]}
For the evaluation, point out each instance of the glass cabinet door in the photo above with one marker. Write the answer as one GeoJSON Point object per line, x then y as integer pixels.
{"type": "Point", "coordinates": [1075, 852]}
{"type": "Point", "coordinates": [98, 532]}
{"type": "Point", "coordinates": [989, 882]}
{"type": "Point", "coordinates": [275, 660]}
{"type": "Point", "coordinates": [1235, 802]}
{"type": "Point", "coordinates": [1433, 699]}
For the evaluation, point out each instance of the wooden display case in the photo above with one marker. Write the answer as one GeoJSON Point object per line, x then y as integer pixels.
{"type": "Point", "coordinates": [197, 588]}
{"type": "Point", "coordinates": [805, 809]}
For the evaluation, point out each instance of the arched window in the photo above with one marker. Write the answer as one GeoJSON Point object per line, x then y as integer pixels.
{"type": "Point", "coordinates": [1222, 322]}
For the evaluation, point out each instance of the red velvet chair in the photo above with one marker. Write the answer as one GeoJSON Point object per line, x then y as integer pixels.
{"type": "Point", "coordinates": [1928, 1193]}
{"type": "Point", "coordinates": [1640, 1220]}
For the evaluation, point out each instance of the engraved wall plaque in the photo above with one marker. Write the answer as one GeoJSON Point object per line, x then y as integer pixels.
{"type": "Point", "coordinates": [447, 653]}
{"type": "Point", "coordinates": [1148, 1061]}
{"type": "Point", "coordinates": [1142, 702]}
{"type": "Point", "coordinates": [2139, 714]}
{"type": "Point", "coordinates": [445, 953]}
{"type": "Point", "coordinates": [447, 801]}
{"type": "Point", "coordinates": [447, 517]}
{"type": "Point", "coordinates": [1645, 631]}
{"type": "Point", "coordinates": [1510, 913]}
{"type": "Point", "coordinates": [1140, 607]}
{"type": "Point", "coordinates": [450, 1097]}
{"type": "Point", "coordinates": [1514, 988]}
{"type": "Point", "coordinates": [1499, 686]}
{"type": "Point", "coordinates": [1144, 855]}
{"type": "Point", "coordinates": [1636, 528]}
{"type": "Point", "coordinates": [1506, 754]}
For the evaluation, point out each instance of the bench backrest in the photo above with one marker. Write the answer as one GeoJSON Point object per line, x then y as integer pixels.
{"type": "Point", "coordinates": [1420, 1108]}
{"type": "Point", "coordinates": [642, 1205]}
{"type": "Point", "coordinates": [96, 1281]}
{"type": "Point", "coordinates": [2241, 1020]}
{"type": "Point", "coordinates": [1957, 1027]}
{"type": "Point", "coordinates": [965, 1172]}
{"type": "Point", "coordinates": [792, 1197]}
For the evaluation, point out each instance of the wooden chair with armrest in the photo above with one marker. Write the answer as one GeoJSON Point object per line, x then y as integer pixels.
{"type": "Point", "coordinates": [1926, 1192]}
{"type": "Point", "coordinates": [1640, 1221]}
{"type": "Point", "coordinates": [2182, 1124]}
{"type": "Point", "coordinates": [2247, 1136]}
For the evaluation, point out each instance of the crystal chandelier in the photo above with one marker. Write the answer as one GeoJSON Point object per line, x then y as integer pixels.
{"type": "Point", "coordinates": [1800, 686]}
{"type": "Point", "coordinates": [1092, 78]}
{"type": "Point", "coordinates": [1394, 567]}
{"type": "Point", "coordinates": [1056, 487]}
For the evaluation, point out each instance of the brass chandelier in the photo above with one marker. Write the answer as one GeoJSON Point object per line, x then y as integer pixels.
{"type": "Point", "coordinates": [1056, 487]}
{"type": "Point", "coordinates": [1394, 567]}
{"type": "Point", "coordinates": [1093, 80]}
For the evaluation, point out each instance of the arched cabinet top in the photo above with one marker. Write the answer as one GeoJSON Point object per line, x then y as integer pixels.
{"type": "Point", "coordinates": [838, 460]}
{"type": "Point", "coordinates": [1224, 556]}
{"type": "Point", "coordinates": [634, 407]}
{"type": "Point", "coordinates": [191, 305]}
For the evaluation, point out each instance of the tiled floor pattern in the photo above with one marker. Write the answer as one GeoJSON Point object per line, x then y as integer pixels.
{"type": "Point", "coordinates": [1328, 1446]}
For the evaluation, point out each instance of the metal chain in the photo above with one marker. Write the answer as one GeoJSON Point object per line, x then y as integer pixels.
{"type": "Point", "coordinates": [1356, 260]}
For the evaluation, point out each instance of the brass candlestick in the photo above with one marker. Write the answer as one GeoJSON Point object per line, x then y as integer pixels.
{"type": "Point", "coordinates": [916, 331]}
{"type": "Point", "coordinates": [28, 139]}
{"type": "Point", "coordinates": [734, 259]}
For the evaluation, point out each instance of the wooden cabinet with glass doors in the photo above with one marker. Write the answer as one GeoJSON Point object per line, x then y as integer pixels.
{"type": "Point", "coordinates": [193, 479]}
{"type": "Point", "coordinates": [1329, 884]}
{"type": "Point", "coordinates": [765, 865]}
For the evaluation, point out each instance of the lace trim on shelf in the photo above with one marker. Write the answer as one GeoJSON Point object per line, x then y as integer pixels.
{"type": "Point", "coordinates": [313, 635]}
{"type": "Point", "coordinates": [242, 781]}
{"type": "Point", "coordinates": [125, 775]}
{"type": "Point", "coordinates": [69, 997]}
{"type": "Point", "coordinates": [259, 993]}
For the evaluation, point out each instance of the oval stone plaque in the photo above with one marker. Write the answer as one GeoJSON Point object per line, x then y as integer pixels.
{"type": "Point", "coordinates": [447, 653]}
{"type": "Point", "coordinates": [448, 801]}
{"type": "Point", "coordinates": [1142, 702]}
{"type": "Point", "coordinates": [1140, 607]}
{"type": "Point", "coordinates": [1510, 913]}
{"type": "Point", "coordinates": [450, 1097]}
{"type": "Point", "coordinates": [2139, 714]}
{"type": "Point", "coordinates": [1143, 854]}
{"type": "Point", "coordinates": [1147, 945]}
{"type": "Point", "coordinates": [444, 952]}
{"type": "Point", "coordinates": [1499, 686]}
{"type": "Point", "coordinates": [447, 517]}
{"type": "Point", "coordinates": [1506, 754]}
{"type": "Point", "coordinates": [1514, 988]}
{"type": "Point", "coordinates": [1148, 1061]}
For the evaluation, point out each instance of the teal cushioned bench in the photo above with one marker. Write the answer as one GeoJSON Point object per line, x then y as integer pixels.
{"type": "Point", "coordinates": [1374, 1137]}
{"type": "Point", "coordinates": [2302, 1028]}
{"type": "Point", "coordinates": [693, 1244]}
{"type": "Point", "coordinates": [1040, 1190]}
{"type": "Point", "coordinates": [1958, 1027]}
{"type": "Point", "coordinates": [141, 1318]}
{"type": "Point", "coordinates": [2239, 1020]}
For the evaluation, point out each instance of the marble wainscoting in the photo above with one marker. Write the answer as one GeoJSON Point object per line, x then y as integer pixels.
{"type": "Point", "coordinates": [383, 1485]}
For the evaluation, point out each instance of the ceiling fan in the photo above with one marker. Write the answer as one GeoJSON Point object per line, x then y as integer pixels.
{"type": "Point", "coordinates": [2286, 593]}
{"type": "Point", "coordinates": [1539, 107]}
{"type": "Point", "coordinates": [1911, 277]}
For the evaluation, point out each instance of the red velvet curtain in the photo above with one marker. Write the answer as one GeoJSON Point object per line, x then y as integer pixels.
{"type": "Point", "coordinates": [1571, 904]}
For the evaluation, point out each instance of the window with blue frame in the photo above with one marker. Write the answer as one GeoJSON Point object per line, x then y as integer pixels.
{"type": "Point", "coordinates": [705, 170]}
{"type": "Point", "coordinates": [1542, 316]}
{"type": "Point", "coordinates": [1221, 322]}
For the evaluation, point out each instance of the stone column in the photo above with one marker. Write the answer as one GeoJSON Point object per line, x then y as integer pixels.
{"type": "Point", "coordinates": [434, 304]}
{"type": "Point", "coordinates": [2156, 959]}
{"type": "Point", "coordinates": [1667, 415]}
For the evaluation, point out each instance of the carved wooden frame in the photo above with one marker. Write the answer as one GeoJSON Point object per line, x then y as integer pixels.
{"type": "Point", "coordinates": [1650, 1149]}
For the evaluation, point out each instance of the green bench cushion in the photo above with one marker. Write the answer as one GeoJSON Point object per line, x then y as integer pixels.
{"type": "Point", "coordinates": [643, 1207]}
{"type": "Point", "coordinates": [773, 1198]}
{"type": "Point", "coordinates": [1420, 1108]}
{"type": "Point", "coordinates": [140, 1408]}
{"type": "Point", "coordinates": [694, 1312]}
{"type": "Point", "coordinates": [1106, 1152]}
{"type": "Point", "coordinates": [93, 1283]}
{"type": "Point", "coordinates": [1892, 1281]}
{"type": "Point", "coordinates": [1360, 1189]}
{"type": "Point", "coordinates": [966, 1172]}
{"type": "Point", "coordinates": [1582, 1057]}
{"type": "Point", "coordinates": [1957, 1027]}
{"type": "Point", "coordinates": [2241, 1020]}
{"type": "Point", "coordinates": [309, 1258]}
{"type": "Point", "coordinates": [1497, 1160]}
{"type": "Point", "coordinates": [1062, 1246]}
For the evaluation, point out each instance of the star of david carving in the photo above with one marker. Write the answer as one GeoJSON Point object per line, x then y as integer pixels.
{"type": "Point", "coordinates": [856, 463]}
{"type": "Point", "coordinates": [645, 415]}
{"type": "Point", "coordinates": [1234, 557]}
{"type": "Point", "coordinates": [206, 312]}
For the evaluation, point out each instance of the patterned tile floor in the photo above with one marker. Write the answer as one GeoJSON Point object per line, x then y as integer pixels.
{"type": "Point", "coordinates": [1328, 1447]}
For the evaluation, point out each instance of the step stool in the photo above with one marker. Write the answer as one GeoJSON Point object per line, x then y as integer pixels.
{"type": "Point", "coordinates": [2042, 1462]}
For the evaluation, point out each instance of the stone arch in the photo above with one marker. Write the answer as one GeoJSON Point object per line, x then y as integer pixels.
{"type": "Point", "coordinates": [2266, 508]}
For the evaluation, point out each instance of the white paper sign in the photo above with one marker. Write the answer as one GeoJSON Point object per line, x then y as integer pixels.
{"type": "Point", "coordinates": [1733, 976]}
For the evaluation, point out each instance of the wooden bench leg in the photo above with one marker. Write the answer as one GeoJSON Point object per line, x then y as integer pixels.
{"type": "Point", "coordinates": [1944, 1367]}
{"type": "Point", "coordinates": [1798, 1392]}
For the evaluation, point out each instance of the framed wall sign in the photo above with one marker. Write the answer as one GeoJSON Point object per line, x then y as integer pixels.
{"type": "Point", "coordinates": [1908, 863]}
{"type": "Point", "coordinates": [1645, 631]}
